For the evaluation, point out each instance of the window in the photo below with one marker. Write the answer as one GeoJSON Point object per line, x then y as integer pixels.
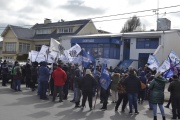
{"type": "Point", "coordinates": [43, 31]}
{"type": "Point", "coordinates": [10, 47]}
{"type": "Point", "coordinates": [24, 47]}
{"type": "Point", "coordinates": [102, 50]}
{"type": "Point", "coordinates": [38, 47]}
{"type": "Point", "coordinates": [65, 30]}
{"type": "Point", "coordinates": [147, 43]}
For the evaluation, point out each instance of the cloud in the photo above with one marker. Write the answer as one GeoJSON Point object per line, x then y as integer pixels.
{"type": "Point", "coordinates": [77, 7]}
{"type": "Point", "coordinates": [4, 4]}
{"type": "Point", "coordinates": [135, 2]}
{"type": "Point", "coordinates": [41, 2]}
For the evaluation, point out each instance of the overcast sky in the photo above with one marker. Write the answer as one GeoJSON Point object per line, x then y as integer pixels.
{"type": "Point", "coordinates": [30, 12]}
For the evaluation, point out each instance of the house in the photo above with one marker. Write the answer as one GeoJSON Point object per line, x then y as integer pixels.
{"type": "Point", "coordinates": [130, 49]}
{"type": "Point", "coordinates": [19, 40]}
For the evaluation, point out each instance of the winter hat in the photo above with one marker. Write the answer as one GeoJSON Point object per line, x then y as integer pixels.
{"type": "Point", "coordinates": [88, 71]}
{"type": "Point", "coordinates": [157, 74]}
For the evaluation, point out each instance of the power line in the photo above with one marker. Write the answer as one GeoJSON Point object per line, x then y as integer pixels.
{"type": "Point", "coordinates": [120, 14]}
{"type": "Point", "coordinates": [2, 28]}
{"type": "Point", "coordinates": [134, 12]}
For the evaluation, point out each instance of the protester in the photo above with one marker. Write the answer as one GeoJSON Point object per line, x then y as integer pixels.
{"type": "Point", "coordinates": [157, 94]}
{"type": "Point", "coordinates": [87, 84]}
{"type": "Point", "coordinates": [133, 85]}
{"type": "Point", "coordinates": [43, 78]}
{"type": "Point", "coordinates": [77, 87]}
{"type": "Point", "coordinates": [17, 76]}
{"type": "Point", "coordinates": [141, 94]}
{"type": "Point", "coordinates": [174, 89]}
{"type": "Point", "coordinates": [59, 77]}
{"type": "Point", "coordinates": [122, 94]}
{"type": "Point", "coordinates": [66, 85]}
{"type": "Point", "coordinates": [34, 75]}
{"type": "Point", "coordinates": [115, 79]}
{"type": "Point", "coordinates": [4, 72]}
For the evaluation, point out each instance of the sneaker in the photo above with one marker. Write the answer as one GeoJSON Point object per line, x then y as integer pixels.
{"type": "Point", "coordinates": [136, 113]}
{"type": "Point", "coordinates": [90, 109]}
{"type": "Point", "coordinates": [116, 109]}
{"type": "Point", "coordinates": [130, 113]}
{"type": "Point", "coordinates": [60, 101]}
{"type": "Point", "coordinates": [150, 108]}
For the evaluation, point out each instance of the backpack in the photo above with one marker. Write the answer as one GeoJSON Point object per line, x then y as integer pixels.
{"type": "Point", "coordinates": [143, 86]}
{"type": "Point", "coordinates": [14, 72]}
{"type": "Point", "coordinates": [121, 88]}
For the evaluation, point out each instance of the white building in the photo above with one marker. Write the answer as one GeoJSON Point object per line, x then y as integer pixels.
{"type": "Point", "coordinates": [130, 49]}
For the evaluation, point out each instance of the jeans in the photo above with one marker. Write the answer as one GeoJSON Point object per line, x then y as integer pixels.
{"type": "Point", "coordinates": [17, 84]}
{"type": "Point", "coordinates": [65, 90]}
{"type": "Point", "coordinates": [132, 98]}
{"type": "Point", "coordinates": [43, 89]}
{"type": "Point", "coordinates": [155, 109]}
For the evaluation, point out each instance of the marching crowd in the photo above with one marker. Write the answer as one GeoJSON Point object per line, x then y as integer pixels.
{"type": "Point", "coordinates": [127, 86]}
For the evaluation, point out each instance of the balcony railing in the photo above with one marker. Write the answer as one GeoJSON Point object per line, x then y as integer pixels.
{"type": "Point", "coordinates": [9, 52]}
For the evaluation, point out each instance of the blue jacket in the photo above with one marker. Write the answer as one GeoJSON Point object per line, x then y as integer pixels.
{"type": "Point", "coordinates": [43, 72]}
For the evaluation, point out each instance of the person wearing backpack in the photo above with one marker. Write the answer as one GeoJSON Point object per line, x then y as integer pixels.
{"type": "Point", "coordinates": [34, 75]}
{"type": "Point", "coordinates": [143, 81]}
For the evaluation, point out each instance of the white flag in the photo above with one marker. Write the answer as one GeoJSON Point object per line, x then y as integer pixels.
{"type": "Point", "coordinates": [153, 66]}
{"type": "Point", "coordinates": [174, 57]}
{"type": "Point", "coordinates": [164, 67]}
{"type": "Point", "coordinates": [152, 59]}
{"type": "Point", "coordinates": [56, 46]}
{"type": "Point", "coordinates": [63, 58]}
{"type": "Point", "coordinates": [52, 56]}
{"type": "Point", "coordinates": [29, 56]}
{"type": "Point", "coordinates": [43, 53]}
{"type": "Point", "coordinates": [72, 52]}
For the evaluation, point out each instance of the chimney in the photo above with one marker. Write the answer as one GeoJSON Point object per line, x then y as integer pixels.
{"type": "Point", "coordinates": [46, 21]}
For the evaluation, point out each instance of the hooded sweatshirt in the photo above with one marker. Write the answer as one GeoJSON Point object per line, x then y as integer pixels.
{"type": "Point", "coordinates": [43, 72]}
{"type": "Point", "coordinates": [59, 76]}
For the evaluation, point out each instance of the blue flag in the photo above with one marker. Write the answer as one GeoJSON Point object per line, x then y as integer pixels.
{"type": "Point", "coordinates": [105, 79]}
{"type": "Point", "coordinates": [87, 59]}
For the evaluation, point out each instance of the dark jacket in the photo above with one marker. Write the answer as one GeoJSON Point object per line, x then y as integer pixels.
{"type": "Point", "coordinates": [132, 84]}
{"type": "Point", "coordinates": [143, 79]}
{"type": "Point", "coordinates": [157, 90]}
{"type": "Point", "coordinates": [174, 88]}
{"type": "Point", "coordinates": [88, 82]}
{"type": "Point", "coordinates": [43, 72]}
{"type": "Point", "coordinates": [18, 75]}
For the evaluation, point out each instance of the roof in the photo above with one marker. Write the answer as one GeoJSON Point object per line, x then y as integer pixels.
{"type": "Point", "coordinates": [102, 31]}
{"type": "Point", "coordinates": [20, 32]}
{"type": "Point", "coordinates": [129, 34]}
{"type": "Point", "coordinates": [80, 23]}
{"type": "Point", "coordinates": [29, 33]}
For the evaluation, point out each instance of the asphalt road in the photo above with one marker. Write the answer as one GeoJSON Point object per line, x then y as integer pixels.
{"type": "Point", "coordinates": [26, 105]}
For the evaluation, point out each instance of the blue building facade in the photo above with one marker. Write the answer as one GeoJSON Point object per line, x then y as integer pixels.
{"type": "Point", "coordinates": [102, 47]}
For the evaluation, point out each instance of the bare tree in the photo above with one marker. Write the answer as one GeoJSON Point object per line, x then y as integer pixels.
{"type": "Point", "coordinates": [132, 24]}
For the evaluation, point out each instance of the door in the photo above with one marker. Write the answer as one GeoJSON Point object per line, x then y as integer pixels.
{"type": "Point", "coordinates": [143, 58]}
{"type": "Point", "coordinates": [126, 49]}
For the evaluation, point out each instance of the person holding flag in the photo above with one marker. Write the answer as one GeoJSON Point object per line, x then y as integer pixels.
{"type": "Point", "coordinates": [105, 82]}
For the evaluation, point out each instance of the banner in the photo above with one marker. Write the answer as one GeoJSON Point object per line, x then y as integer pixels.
{"type": "Point", "coordinates": [33, 55]}
{"type": "Point", "coordinates": [105, 79]}
{"type": "Point", "coordinates": [77, 60]}
{"type": "Point", "coordinates": [164, 67]}
{"type": "Point", "coordinates": [152, 59]}
{"type": "Point", "coordinates": [72, 52]}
